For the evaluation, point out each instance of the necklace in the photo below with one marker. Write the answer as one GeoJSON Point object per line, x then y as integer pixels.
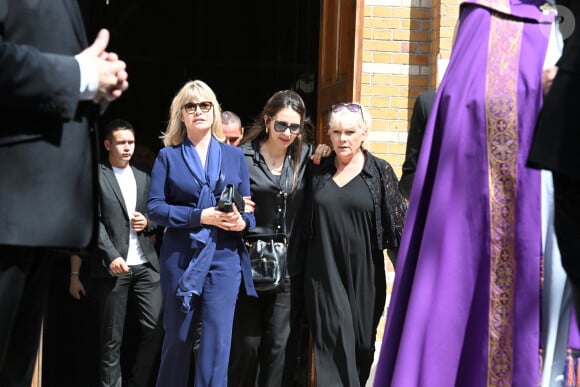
{"type": "Point", "coordinates": [274, 162]}
{"type": "Point", "coordinates": [274, 165]}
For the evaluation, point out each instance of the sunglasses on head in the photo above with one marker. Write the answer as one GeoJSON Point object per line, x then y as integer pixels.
{"type": "Point", "coordinates": [281, 126]}
{"type": "Point", "coordinates": [204, 106]}
{"type": "Point", "coordinates": [351, 107]}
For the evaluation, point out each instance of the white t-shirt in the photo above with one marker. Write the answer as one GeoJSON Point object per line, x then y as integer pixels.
{"type": "Point", "coordinates": [126, 180]}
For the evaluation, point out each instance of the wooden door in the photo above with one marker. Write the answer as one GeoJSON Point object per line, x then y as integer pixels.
{"type": "Point", "coordinates": [339, 73]}
{"type": "Point", "coordinates": [37, 376]}
{"type": "Point", "coordinates": [340, 58]}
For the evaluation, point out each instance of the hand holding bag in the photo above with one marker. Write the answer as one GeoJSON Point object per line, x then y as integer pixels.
{"type": "Point", "coordinates": [229, 196]}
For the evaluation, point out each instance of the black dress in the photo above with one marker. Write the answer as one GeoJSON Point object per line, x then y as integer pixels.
{"type": "Point", "coordinates": [341, 296]}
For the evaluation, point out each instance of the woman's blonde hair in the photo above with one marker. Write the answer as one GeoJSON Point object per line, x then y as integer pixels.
{"type": "Point", "coordinates": [176, 131]}
{"type": "Point", "coordinates": [364, 117]}
{"type": "Point", "coordinates": [361, 116]}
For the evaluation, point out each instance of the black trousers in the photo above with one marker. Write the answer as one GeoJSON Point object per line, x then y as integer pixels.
{"type": "Point", "coordinates": [567, 226]}
{"type": "Point", "coordinates": [567, 223]}
{"type": "Point", "coordinates": [70, 333]}
{"type": "Point", "coordinates": [265, 338]}
{"type": "Point", "coordinates": [24, 283]}
{"type": "Point", "coordinates": [144, 287]}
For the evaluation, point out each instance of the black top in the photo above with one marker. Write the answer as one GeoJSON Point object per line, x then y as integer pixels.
{"type": "Point", "coordinates": [421, 111]}
{"type": "Point", "coordinates": [389, 206]}
{"type": "Point", "coordinates": [277, 195]}
{"type": "Point", "coordinates": [557, 134]}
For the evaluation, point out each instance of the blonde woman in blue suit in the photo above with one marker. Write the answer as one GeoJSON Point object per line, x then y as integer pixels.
{"type": "Point", "coordinates": [203, 258]}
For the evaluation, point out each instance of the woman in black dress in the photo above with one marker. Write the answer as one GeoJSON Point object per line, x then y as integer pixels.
{"type": "Point", "coordinates": [355, 211]}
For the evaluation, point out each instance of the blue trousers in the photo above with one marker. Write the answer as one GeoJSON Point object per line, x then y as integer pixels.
{"type": "Point", "coordinates": [214, 307]}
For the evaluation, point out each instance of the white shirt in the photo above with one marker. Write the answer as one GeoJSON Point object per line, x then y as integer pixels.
{"type": "Point", "coordinates": [126, 180]}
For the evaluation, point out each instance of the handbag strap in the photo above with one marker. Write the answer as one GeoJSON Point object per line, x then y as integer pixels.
{"type": "Point", "coordinates": [283, 183]}
{"type": "Point", "coordinates": [283, 193]}
{"type": "Point", "coordinates": [284, 196]}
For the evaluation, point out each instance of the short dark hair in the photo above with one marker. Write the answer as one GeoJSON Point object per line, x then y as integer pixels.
{"type": "Point", "coordinates": [117, 124]}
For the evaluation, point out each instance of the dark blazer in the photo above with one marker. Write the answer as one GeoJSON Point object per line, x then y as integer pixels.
{"type": "Point", "coordinates": [114, 222]}
{"type": "Point", "coordinates": [47, 138]}
{"type": "Point", "coordinates": [419, 118]}
{"type": "Point", "coordinates": [557, 136]}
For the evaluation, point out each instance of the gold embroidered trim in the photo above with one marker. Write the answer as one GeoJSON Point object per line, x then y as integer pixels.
{"type": "Point", "coordinates": [502, 154]}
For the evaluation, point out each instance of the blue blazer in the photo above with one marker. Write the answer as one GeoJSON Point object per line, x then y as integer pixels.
{"type": "Point", "coordinates": [173, 198]}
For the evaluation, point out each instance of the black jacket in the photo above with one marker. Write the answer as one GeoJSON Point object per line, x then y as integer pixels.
{"type": "Point", "coordinates": [48, 142]}
{"type": "Point", "coordinates": [114, 222]}
{"type": "Point", "coordinates": [389, 205]}
{"type": "Point", "coordinates": [421, 111]}
{"type": "Point", "coordinates": [274, 198]}
{"type": "Point", "coordinates": [557, 134]}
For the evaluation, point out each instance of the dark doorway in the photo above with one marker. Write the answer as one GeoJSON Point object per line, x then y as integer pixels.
{"type": "Point", "coordinates": [245, 51]}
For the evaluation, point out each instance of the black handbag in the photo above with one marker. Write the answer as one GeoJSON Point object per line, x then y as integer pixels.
{"type": "Point", "coordinates": [229, 196]}
{"type": "Point", "coordinates": [268, 248]}
{"type": "Point", "coordinates": [268, 260]}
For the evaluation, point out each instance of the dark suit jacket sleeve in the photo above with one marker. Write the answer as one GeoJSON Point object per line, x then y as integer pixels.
{"type": "Point", "coordinates": [419, 118]}
{"type": "Point", "coordinates": [48, 83]}
{"type": "Point", "coordinates": [32, 80]}
{"type": "Point", "coordinates": [106, 245]}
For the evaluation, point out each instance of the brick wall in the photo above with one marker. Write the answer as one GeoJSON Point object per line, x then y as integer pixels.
{"type": "Point", "coordinates": [402, 41]}
{"type": "Point", "coordinates": [405, 42]}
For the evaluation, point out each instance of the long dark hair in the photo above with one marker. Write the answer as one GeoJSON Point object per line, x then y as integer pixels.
{"type": "Point", "coordinates": [278, 101]}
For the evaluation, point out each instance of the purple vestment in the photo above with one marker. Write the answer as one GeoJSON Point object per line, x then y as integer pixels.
{"type": "Point", "coordinates": [465, 308]}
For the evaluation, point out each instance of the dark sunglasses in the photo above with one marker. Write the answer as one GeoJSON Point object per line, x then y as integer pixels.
{"type": "Point", "coordinates": [281, 126]}
{"type": "Point", "coordinates": [351, 107]}
{"type": "Point", "coordinates": [204, 106]}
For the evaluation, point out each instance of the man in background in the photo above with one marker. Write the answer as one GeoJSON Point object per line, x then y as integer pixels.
{"type": "Point", "coordinates": [127, 266]}
{"type": "Point", "coordinates": [419, 117]}
{"type": "Point", "coordinates": [51, 86]}
{"type": "Point", "coordinates": [232, 128]}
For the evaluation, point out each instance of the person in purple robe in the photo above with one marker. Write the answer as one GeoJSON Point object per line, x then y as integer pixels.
{"type": "Point", "coordinates": [466, 304]}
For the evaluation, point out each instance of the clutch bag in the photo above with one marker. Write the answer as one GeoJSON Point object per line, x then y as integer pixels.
{"type": "Point", "coordinates": [228, 197]}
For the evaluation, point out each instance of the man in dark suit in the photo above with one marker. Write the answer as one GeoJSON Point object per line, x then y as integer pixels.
{"type": "Point", "coordinates": [419, 118]}
{"type": "Point", "coordinates": [130, 266]}
{"type": "Point", "coordinates": [556, 142]}
{"type": "Point", "coordinates": [50, 85]}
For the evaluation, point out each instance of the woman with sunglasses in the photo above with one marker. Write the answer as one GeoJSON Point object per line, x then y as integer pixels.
{"type": "Point", "coordinates": [203, 259]}
{"type": "Point", "coordinates": [354, 212]}
{"type": "Point", "coordinates": [266, 329]}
